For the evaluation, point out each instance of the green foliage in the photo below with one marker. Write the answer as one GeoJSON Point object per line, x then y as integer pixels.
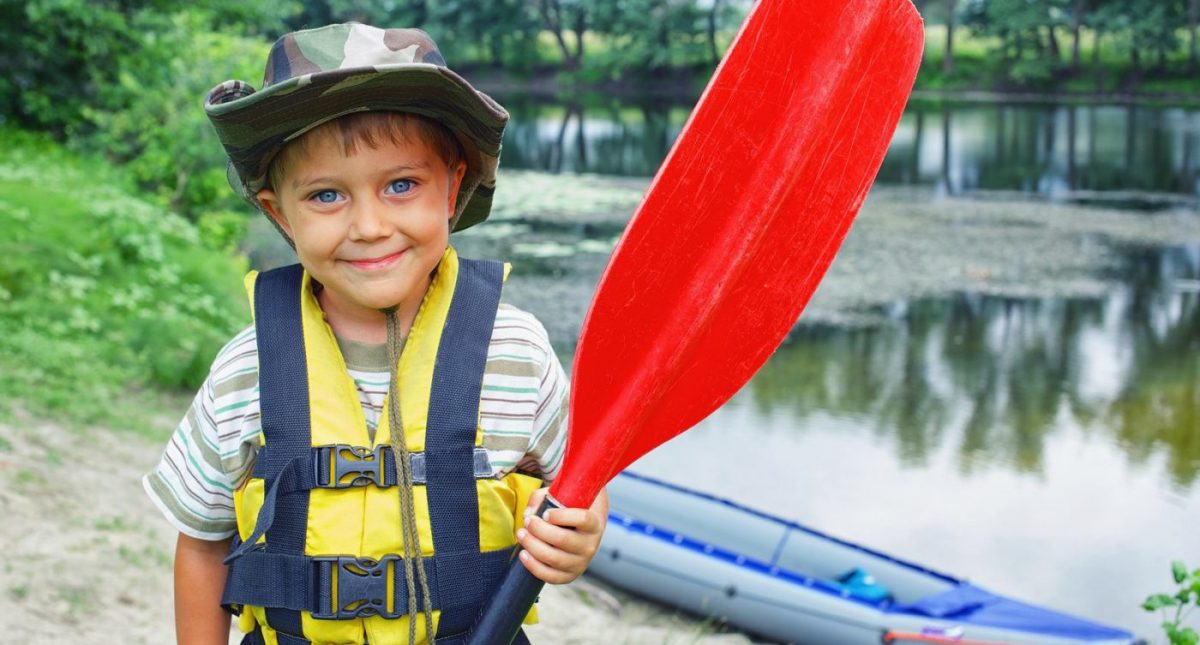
{"type": "Point", "coordinates": [178, 156]}
{"type": "Point", "coordinates": [1182, 601]}
{"type": "Point", "coordinates": [100, 289]}
{"type": "Point", "coordinates": [59, 56]}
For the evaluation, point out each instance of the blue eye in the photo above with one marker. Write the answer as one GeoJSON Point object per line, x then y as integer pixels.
{"type": "Point", "coordinates": [325, 196]}
{"type": "Point", "coordinates": [401, 186]}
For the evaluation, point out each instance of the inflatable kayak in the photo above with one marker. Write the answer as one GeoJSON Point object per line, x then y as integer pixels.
{"type": "Point", "coordinates": [778, 579]}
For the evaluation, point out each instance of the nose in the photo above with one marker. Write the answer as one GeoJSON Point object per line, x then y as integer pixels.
{"type": "Point", "coordinates": [370, 221]}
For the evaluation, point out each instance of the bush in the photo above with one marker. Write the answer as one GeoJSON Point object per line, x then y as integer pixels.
{"type": "Point", "coordinates": [101, 289]}
{"type": "Point", "coordinates": [1183, 600]}
{"type": "Point", "coordinates": [156, 124]}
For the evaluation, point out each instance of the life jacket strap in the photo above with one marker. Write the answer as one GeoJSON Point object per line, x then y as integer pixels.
{"type": "Point", "coordinates": [256, 638]}
{"type": "Point", "coordinates": [307, 583]}
{"type": "Point", "coordinates": [313, 470]}
{"type": "Point", "coordinates": [452, 423]}
{"type": "Point", "coordinates": [347, 466]}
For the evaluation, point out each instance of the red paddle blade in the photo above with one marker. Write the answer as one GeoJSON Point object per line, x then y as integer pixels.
{"type": "Point", "coordinates": [739, 225]}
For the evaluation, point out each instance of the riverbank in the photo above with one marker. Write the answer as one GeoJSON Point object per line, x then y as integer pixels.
{"type": "Point", "coordinates": [685, 86]}
{"type": "Point", "coordinates": [89, 557]}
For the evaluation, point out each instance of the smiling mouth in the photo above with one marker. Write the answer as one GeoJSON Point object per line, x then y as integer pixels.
{"type": "Point", "coordinates": [376, 263]}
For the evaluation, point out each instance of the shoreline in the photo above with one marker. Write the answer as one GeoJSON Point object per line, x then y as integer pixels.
{"type": "Point", "coordinates": [686, 87]}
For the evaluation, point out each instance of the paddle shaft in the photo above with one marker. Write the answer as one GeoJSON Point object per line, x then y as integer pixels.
{"type": "Point", "coordinates": [515, 594]}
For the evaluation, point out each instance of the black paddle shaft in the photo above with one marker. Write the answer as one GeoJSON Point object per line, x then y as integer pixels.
{"type": "Point", "coordinates": [502, 615]}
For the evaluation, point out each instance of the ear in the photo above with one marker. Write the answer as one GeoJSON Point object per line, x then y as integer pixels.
{"type": "Point", "coordinates": [270, 205]}
{"type": "Point", "coordinates": [456, 178]}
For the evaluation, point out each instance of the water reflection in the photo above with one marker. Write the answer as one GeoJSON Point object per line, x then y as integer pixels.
{"type": "Point", "coordinates": [1046, 149]}
{"type": "Point", "coordinates": [998, 377]}
{"type": "Point", "coordinates": [626, 137]}
{"type": "Point", "coordinates": [1050, 150]}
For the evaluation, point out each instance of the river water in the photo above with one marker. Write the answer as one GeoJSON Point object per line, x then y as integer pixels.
{"type": "Point", "coordinates": [1046, 445]}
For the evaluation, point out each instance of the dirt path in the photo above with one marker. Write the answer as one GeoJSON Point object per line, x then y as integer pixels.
{"type": "Point", "coordinates": [89, 557]}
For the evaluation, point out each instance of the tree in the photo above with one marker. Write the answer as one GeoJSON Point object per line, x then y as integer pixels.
{"type": "Point", "coordinates": [713, 12]}
{"type": "Point", "coordinates": [948, 60]}
{"type": "Point", "coordinates": [1026, 31]}
{"type": "Point", "coordinates": [1077, 13]}
{"type": "Point", "coordinates": [1193, 23]}
{"type": "Point", "coordinates": [560, 16]}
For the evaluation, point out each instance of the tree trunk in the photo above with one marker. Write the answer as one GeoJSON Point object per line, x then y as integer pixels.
{"type": "Point", "coordinates": [948, 59]}
{"type": "Point", "coordinates": [420, 13]}
{"type": "Point", "coordinates": [664, 35]}
{"type": "Point", "coordinates": [496, 49]}
{"type": "Point", "coordinates": [580, 27]}
{"type": "Point", "coordinates": [1055, 52]}
{"type": "Point", "coordinates": [1193, 22]}
{"type": "Point", "coordinates": [181, 182]}
{"type": "Point", "coordinates": [1076, 28]}
{"type": "Point", "coordinates": [712, 32]}
{"type": "Point", "coordinates": [552, 17]}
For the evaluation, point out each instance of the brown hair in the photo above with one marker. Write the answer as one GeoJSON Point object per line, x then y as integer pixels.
{"type": "Point", "coordinates": [371, 129]}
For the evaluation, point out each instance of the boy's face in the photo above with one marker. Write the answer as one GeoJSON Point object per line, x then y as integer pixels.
{"type": "Point", "coordinates": [370, 225]}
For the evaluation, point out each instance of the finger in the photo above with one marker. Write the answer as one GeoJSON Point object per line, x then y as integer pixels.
{"type": "Point", "coordinates": [563, 539]}
{"type": "Point", "coordinates": [535, 501]}
{"type": "Point", "coordinates": [543, 572]}
{"type": "Point", "coordinates": [600, 505]}
{"type": "Point", "coordinates": [574, 518]}
{"type": "Point", "coordinates": [551, 556]}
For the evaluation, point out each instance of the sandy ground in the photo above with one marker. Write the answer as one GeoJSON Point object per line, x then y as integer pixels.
{"type": "Point", "coordinates": [89, 557]}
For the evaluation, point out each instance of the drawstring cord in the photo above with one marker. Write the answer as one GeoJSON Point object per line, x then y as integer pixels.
{"type": "Point", "coordinates": [414, 568]}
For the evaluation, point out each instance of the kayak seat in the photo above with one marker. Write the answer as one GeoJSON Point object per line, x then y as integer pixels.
{"type": "Point", "coordinates": [858, 583]}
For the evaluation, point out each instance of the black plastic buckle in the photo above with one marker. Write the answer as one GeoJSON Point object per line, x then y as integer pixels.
{"type": "Point", "coordinates": [358, 587]}
{"type": "Point", "coordinates": [365, 464]}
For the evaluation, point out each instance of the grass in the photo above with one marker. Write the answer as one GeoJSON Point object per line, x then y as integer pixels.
{"type": "Point", "coordinates": [979, 66]}
{"type": "Point", "coordinates": [106, 300]}
{"type": "Point", "coordinates": [114, 523]}
{"type": "Point", "coordinates": [79, 600]}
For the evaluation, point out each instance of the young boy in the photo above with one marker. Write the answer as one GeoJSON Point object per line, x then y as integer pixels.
{"type": "Point", "coordinates": [352, 469]}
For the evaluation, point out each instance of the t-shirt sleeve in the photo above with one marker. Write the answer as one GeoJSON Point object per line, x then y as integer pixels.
{"type": "Point", "coordinates": [210, 451]}
{"type": "Point", "coordinates": [548, 441]}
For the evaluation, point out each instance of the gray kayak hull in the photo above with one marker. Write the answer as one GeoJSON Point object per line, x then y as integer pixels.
{"type": "Point", "coordinates": [777, 579]}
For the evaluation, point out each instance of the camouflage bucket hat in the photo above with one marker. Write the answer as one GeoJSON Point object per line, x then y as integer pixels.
{"type": "Point", "coordinates": [318, 75]}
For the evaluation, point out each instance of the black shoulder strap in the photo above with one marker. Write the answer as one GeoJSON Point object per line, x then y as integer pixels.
{"type": "Point", "coordinates": [283, 399]}
{"type": "Point", "coordinates": [450, 442]}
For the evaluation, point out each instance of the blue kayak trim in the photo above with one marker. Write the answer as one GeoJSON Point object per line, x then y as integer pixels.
{"type": "Point", "coordinates": [740, 560]}
{"type": "Point", "coordinates": [965, 603]}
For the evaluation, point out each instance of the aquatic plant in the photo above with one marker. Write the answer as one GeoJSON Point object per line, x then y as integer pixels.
{"type": "Point", "coordinates": [1185, 599]}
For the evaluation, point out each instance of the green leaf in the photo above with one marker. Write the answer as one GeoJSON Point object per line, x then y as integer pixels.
{"type": "Point", "coordinates": [1179, 571]}
{"type": "Point", "coordinates": [1158, 601]}
{"type": "Point", "coordinates": [1187, 636]}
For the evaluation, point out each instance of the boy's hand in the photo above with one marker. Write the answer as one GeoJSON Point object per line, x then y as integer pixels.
{"type": "Point", "coordinates": [558, 548]}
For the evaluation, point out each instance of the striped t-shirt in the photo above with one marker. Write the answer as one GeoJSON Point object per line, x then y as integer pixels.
{"type": "Point", "coordinates": [522, 410]}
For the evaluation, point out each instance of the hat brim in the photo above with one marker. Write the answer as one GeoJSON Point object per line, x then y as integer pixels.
{"type": "Point", "coordinates": [255, 127]}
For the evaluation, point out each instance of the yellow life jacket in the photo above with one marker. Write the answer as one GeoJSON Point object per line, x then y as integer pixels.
{"type": "Point", "coordinates": [319, 519]}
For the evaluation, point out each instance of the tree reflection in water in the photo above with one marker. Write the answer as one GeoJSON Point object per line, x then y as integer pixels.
{"type": "Point", "coordinates": [998, 376]}
{"type": "Point", "coordinates": [1057, 151]}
